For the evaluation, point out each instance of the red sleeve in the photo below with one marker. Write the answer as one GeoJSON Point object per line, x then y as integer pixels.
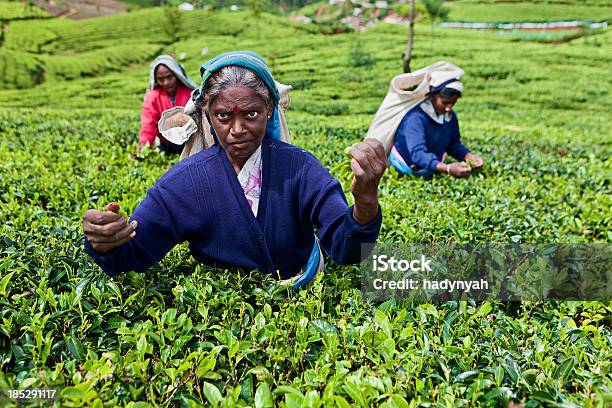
{"type": "Point", "coordinates": [148, 119]}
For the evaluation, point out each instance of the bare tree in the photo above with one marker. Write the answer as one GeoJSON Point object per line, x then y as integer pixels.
{"type": "Point", "coordinates": [408, 53]}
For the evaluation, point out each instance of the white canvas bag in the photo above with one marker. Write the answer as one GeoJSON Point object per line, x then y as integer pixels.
{"type": "Point", "coordinates": [405, 92]}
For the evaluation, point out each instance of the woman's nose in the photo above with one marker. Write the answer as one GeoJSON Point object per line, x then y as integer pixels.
{"type": "Point", "coordinates": [237, 127]}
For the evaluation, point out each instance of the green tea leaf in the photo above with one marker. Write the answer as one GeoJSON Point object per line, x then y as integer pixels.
{"type": "Point", "coordinates": [4, 283]}
{"type": "Point", "coordinates": [383, 322]}
{"type": "Point", "coordinates": [499, 375]}
{"type": "Point", "coordinates": [563, 370]}
{"type": "Point", "coordinates": [322, 326]}
{"type": "Point", "coordinates": [341, 402]}
{"type": "Point", "coordinates": [263, 396]}
{"type": "Point", "coordinates": [463, 377]}
{"type": "Point", "coordinates": [212, 394]}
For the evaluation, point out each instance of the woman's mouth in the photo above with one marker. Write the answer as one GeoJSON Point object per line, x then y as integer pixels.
{"type": "Point", "coordinates": [239, 144]}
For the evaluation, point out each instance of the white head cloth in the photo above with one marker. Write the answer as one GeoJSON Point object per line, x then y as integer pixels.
{"type": "Point", "coordinates": [176, 68]}
{"type": "Point", "coordinates": [445, 79]}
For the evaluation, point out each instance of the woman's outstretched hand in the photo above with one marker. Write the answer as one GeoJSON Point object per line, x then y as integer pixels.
{"type": "Point", "coordinates": [368, 164]}
{"type": "Point", "coordinates": [107, 229]}
{"type": "Point", "coordinates": [476, 161]}
{"type": "Point", "coordinates": [459, 169]}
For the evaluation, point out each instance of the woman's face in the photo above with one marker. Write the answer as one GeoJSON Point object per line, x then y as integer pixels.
{"type": "Point", "coordinates": [239, 116]}
{"type": "Point", "coordinates": [443, 105]}
{"type": "Point", "coordinates": [166, 79]}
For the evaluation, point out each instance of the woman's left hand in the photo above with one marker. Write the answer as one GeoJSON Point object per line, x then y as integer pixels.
{"type": "Point", "coordinates": [368, 164]}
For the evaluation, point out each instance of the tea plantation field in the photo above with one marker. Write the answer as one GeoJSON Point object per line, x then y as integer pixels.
{"type": "Point", "coordinates": [475, 10]}
{"type": "Point", "coordinates": [184, 334]}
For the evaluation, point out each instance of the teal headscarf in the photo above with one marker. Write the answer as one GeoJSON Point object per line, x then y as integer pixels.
{"type": "Point", "coordinates": [252, 62]}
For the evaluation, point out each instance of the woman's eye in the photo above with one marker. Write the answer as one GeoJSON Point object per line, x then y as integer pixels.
{"type": "Point", "coordinates": [252, 114]}
{"type": "Point", "coordinates": [222, 116]}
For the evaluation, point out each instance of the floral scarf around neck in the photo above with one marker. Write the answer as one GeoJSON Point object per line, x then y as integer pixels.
{"type": "Point", "coordinates": [250, 180]}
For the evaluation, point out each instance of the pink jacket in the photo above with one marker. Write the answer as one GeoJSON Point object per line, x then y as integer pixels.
{"type": "Point", "coordinates": [155, 102]}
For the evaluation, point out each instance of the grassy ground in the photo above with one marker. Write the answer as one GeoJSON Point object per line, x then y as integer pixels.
{"type": "Point", "coordinates": [184, 333]}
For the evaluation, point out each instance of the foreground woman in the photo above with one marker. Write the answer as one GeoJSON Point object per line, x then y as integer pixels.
{"type": "Point", "coordinates": [169, 86]}
{"type": "Point", "coordinates": [250, 201]}
{"type": "Point", "coordinates": [430, 130]}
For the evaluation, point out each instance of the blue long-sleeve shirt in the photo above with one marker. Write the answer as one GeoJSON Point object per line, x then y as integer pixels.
{"type": "Point", "coordinates": [200, 200]}
{"type": "Point", "coordinates": [422, 142]}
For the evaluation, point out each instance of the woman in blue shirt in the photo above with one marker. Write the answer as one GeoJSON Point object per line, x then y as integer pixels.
{"type": "Point", "coordinates": [430, 130]}
{"type": "Point", "coordinates": [250, 201]}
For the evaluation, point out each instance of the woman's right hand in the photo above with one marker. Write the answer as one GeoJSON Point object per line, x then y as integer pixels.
{"type": "Point", "coordinates": [136, 154]}
{"type": "Point", "coordinates": [459, 169]}
{"type": "Point", "coordinates": [107, 229]}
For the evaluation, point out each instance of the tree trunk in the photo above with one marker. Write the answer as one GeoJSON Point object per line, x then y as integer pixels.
{"type": "Point", "coordinates": [408, 53]}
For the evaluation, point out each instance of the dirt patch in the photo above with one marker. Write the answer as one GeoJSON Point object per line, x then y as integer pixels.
{"type": "Point", "coordinates": [79, 9]}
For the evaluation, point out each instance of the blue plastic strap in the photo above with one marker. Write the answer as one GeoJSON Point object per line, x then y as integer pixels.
{"type": "Point", "coordinates": [312, 266]}
{"type": "Point", "coordinates": [403, 168]}
{"type": "Point", "coordinates": [399, 164]}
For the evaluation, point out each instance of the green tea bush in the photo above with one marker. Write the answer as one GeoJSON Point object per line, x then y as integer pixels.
{"type": "Point", "coordinates": [328, 28]}
{"type": "Point", "coordinates": [25, 36]}
{"type": "Point", "coordinates": [358, 57]}
{"type": "Point", "coordinates": [172, 23]}
{"type": "Point", "coordinates": [146, 25]}
{"type": "Point", "coordinates": [20, 11]}
{"type": "Point", "coordinates": [320, 108]}
{"type": "Point", "coordinates": [528, 11]}
{"type": "Point", "coordinates": [557, 3]}
{"type": "Point", "coordinates": [71, 49]}
{"type": "Point", "coordinates": [20, 69]}
{"type": "Point", "coordinates": [98, 62]}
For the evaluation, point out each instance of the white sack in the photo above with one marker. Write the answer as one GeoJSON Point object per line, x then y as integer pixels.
{"type": "Point", "coordinates": [405, 92]}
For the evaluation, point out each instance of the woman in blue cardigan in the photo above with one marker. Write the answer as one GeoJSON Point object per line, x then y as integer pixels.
{"type": "Point", "coordinates": [430, 130]}
{"type": "Point", "coordinates": [250, 201]}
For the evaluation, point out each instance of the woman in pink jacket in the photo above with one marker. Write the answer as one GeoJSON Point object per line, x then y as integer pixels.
{"type": "Point", "coordinates": [169, 86]}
